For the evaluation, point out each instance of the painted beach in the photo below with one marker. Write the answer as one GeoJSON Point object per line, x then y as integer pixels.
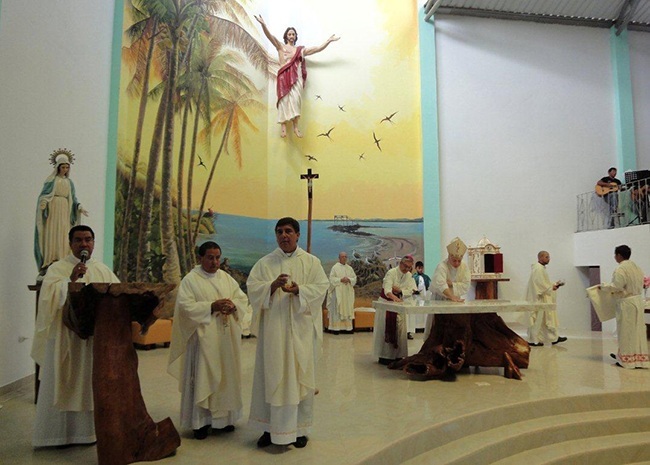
{"type": "Point", "coordinates": [244, 239]}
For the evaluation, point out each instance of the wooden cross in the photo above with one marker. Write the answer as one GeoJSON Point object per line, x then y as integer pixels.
{"type": "Point", "coordinates": [309, 176]}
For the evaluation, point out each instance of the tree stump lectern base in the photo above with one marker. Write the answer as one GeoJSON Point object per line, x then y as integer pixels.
{"type": "Point", "coordinates": [125, 431]}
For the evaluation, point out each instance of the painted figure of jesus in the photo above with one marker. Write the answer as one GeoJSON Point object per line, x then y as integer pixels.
{"type": "Point", "coordinates": [291, 75]}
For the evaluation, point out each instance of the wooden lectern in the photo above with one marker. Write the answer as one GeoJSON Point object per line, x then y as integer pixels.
{"type": "Point", "coordinates": [125, 431]}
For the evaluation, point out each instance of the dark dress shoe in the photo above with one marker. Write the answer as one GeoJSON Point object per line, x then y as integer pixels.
{"type": "Point", "coordinates": [226, 429]}
{"type": "Point", "coordinates": [559, 339]}
{"type": "Point", "coordinates": [385, 361]}
{"type": "Point", "coordinates": [65, 446]}
{"type": "Point", "coordinates": [409, 335]}
{"type": "Point", "coordinates": [202, 433]}
{"type": "Point", "coordinates": [613, 356]}
{"type": "Point", "coordinates": [536, 344]}
{"type": "Point", "coordinates": [301, 441]}
{"type": "Point", "coordinates": [264, 440]}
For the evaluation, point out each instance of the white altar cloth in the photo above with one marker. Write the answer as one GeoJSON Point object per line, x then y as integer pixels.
{"type": "Point", "coordinates": [413, 306]}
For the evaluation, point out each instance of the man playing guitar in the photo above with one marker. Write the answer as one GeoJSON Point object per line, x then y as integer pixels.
{"type": "Point", "coordinates": [608, 184]}
{"type": "Point", "coordinates": [607, 188]}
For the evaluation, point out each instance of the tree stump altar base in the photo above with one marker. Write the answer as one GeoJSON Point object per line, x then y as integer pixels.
{"type": "Point", "coordinates": [464, 340]}
{"type": "Point", "coordinates": [464, 335]}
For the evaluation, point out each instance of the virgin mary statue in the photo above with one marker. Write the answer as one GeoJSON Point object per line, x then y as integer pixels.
{"type": "Point", "coordinates": [56, 212]}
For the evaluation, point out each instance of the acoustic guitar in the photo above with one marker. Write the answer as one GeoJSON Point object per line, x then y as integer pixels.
{"type": "Point", "coordinates": [604, 190]}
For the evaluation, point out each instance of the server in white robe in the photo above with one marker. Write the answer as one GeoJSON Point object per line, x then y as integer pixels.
{"type": "Point", "coordinates": [64, 411]}
{"type": "Point", "coordinates": [341, 296]}
{"type": "Point", "coordinates": [422, 282]}
{"type": "Point", "coordinates": [630, 324]}
{"type": "Point", "coordinates": [451, 279]}
{"type": "Point", "coordinates": [287, 289]}
{"type": "Point", "coordinates": [205, 351]}
{"type": "Point", "coordinates": [390, 341]}
{"type": "Point", "coordinates": [543, 326]}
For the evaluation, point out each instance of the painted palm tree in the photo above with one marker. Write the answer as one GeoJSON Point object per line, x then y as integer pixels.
{"type": "Point", "coordinates": [209, 75]}
{"type": "Point", "coordinates": [139, 55]}
{"type": "Point", "coordinates": [229, 118]}
{"type": "Point", "coordinates": [178, 25]}
{"type": "Point", "coordinates": [213, 72]}
{"type": "Point", "coordinates": [146, 213]}
{"type": "Point", "coordinates": [181, 16]}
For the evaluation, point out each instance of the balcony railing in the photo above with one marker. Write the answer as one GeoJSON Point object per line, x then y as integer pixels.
{"type": "Point", "coordinates": [628, 207]}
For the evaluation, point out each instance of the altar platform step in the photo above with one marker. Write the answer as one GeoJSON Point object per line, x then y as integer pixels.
{"type": "Point", "coordinates": [617, 449]}
{"type": "Point", "coordinates": [609, 429]}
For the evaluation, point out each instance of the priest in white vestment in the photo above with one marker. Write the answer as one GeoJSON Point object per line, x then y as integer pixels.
{"type": "Point", "coordinates": [64, 411]}
{"type": "Point", "coordinates": [392, 343]}
{"type": "Point", "coordinates": [341, 296]}
{"type": "Point", "coordinates": [630, 323]}
{"type": "Point", "coordinates": [543, 325]}
{"type": "Point", "coordinates": [287, 289]}
{"type": "Point", "coordinates": [451, 279]}
{"type": "Point", "coordinates": [205, 351]}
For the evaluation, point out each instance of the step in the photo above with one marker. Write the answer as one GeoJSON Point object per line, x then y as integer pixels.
{"type": "Point", "coordinates": [616, 449]}
{"type": "Point", "coordinates": [437, 435]}
{"type": "Point", "coordinates": [498, 443]}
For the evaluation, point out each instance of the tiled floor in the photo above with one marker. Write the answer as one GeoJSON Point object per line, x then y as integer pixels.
{"type": "Point", "coordinates": [362, 407]}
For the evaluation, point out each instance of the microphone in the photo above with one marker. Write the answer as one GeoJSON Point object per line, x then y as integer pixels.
{"type": "Point", "coordinates": [84, 258]}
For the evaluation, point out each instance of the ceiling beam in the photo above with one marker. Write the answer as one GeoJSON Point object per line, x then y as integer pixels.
{"type": "Point", "coordinates": [625, 15]}
{"type": "Point", "coordinates": [638, 27]}
{"type": "Point", "coordinates": [432, 8]}
{"type": "Point", "coordinates": [548, 19]}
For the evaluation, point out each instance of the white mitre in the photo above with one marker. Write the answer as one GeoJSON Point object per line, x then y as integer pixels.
{"type": "Point", "coordinates": [456, 248]}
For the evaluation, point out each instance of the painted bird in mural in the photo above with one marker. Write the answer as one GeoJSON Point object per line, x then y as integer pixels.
{"type": "Point", "coordinates": [318, 97]}
{"type": "Point", "coordinates": [361, 157]}
{"type": "Point", "coordinates": [310, 158]}
{"type": "Point", "coordinates": [326, 134]}
{"type": "Point", "coordinates": [341, 107]}
{"type": "Point", "coordinates": [377, 141]}
{"type": "Point", "coordinates": [388, 118]}
{"type": "Point", "coordinates": [201, 162]}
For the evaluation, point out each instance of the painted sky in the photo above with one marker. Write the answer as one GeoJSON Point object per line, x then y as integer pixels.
{"type": "Point", "coordinates": [372, 72]}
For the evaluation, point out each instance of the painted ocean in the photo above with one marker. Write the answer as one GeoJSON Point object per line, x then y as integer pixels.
{"type": "Point", "coordinates": [244, 240]}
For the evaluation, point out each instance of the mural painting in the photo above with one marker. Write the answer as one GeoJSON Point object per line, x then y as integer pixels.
{"type": "Point", "coordinates": [199, 149]}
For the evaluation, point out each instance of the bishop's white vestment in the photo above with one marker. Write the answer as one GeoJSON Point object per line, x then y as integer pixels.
{"type": "Point", "coordinates": [205, 351]}
{"type": "Point", "coordinates": [64, 412]}
{"type": "Point", "coordinates": [460, 279]}
{"type": "Point", "coordinates": [289, 340]}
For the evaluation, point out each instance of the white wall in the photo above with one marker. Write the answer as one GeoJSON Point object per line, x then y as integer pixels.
{"type": "Point", "coordinates": [54, 91]}
{"type": "Point", "coordinates": [596, 248]}
{"type": "Point", "coordinates": [526, 124]}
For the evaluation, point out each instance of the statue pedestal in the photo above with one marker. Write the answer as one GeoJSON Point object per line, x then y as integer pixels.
{"type": "Point", "coordinates": [125, 431]}
{"type": "Point", "coordinates": [37, 369]}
